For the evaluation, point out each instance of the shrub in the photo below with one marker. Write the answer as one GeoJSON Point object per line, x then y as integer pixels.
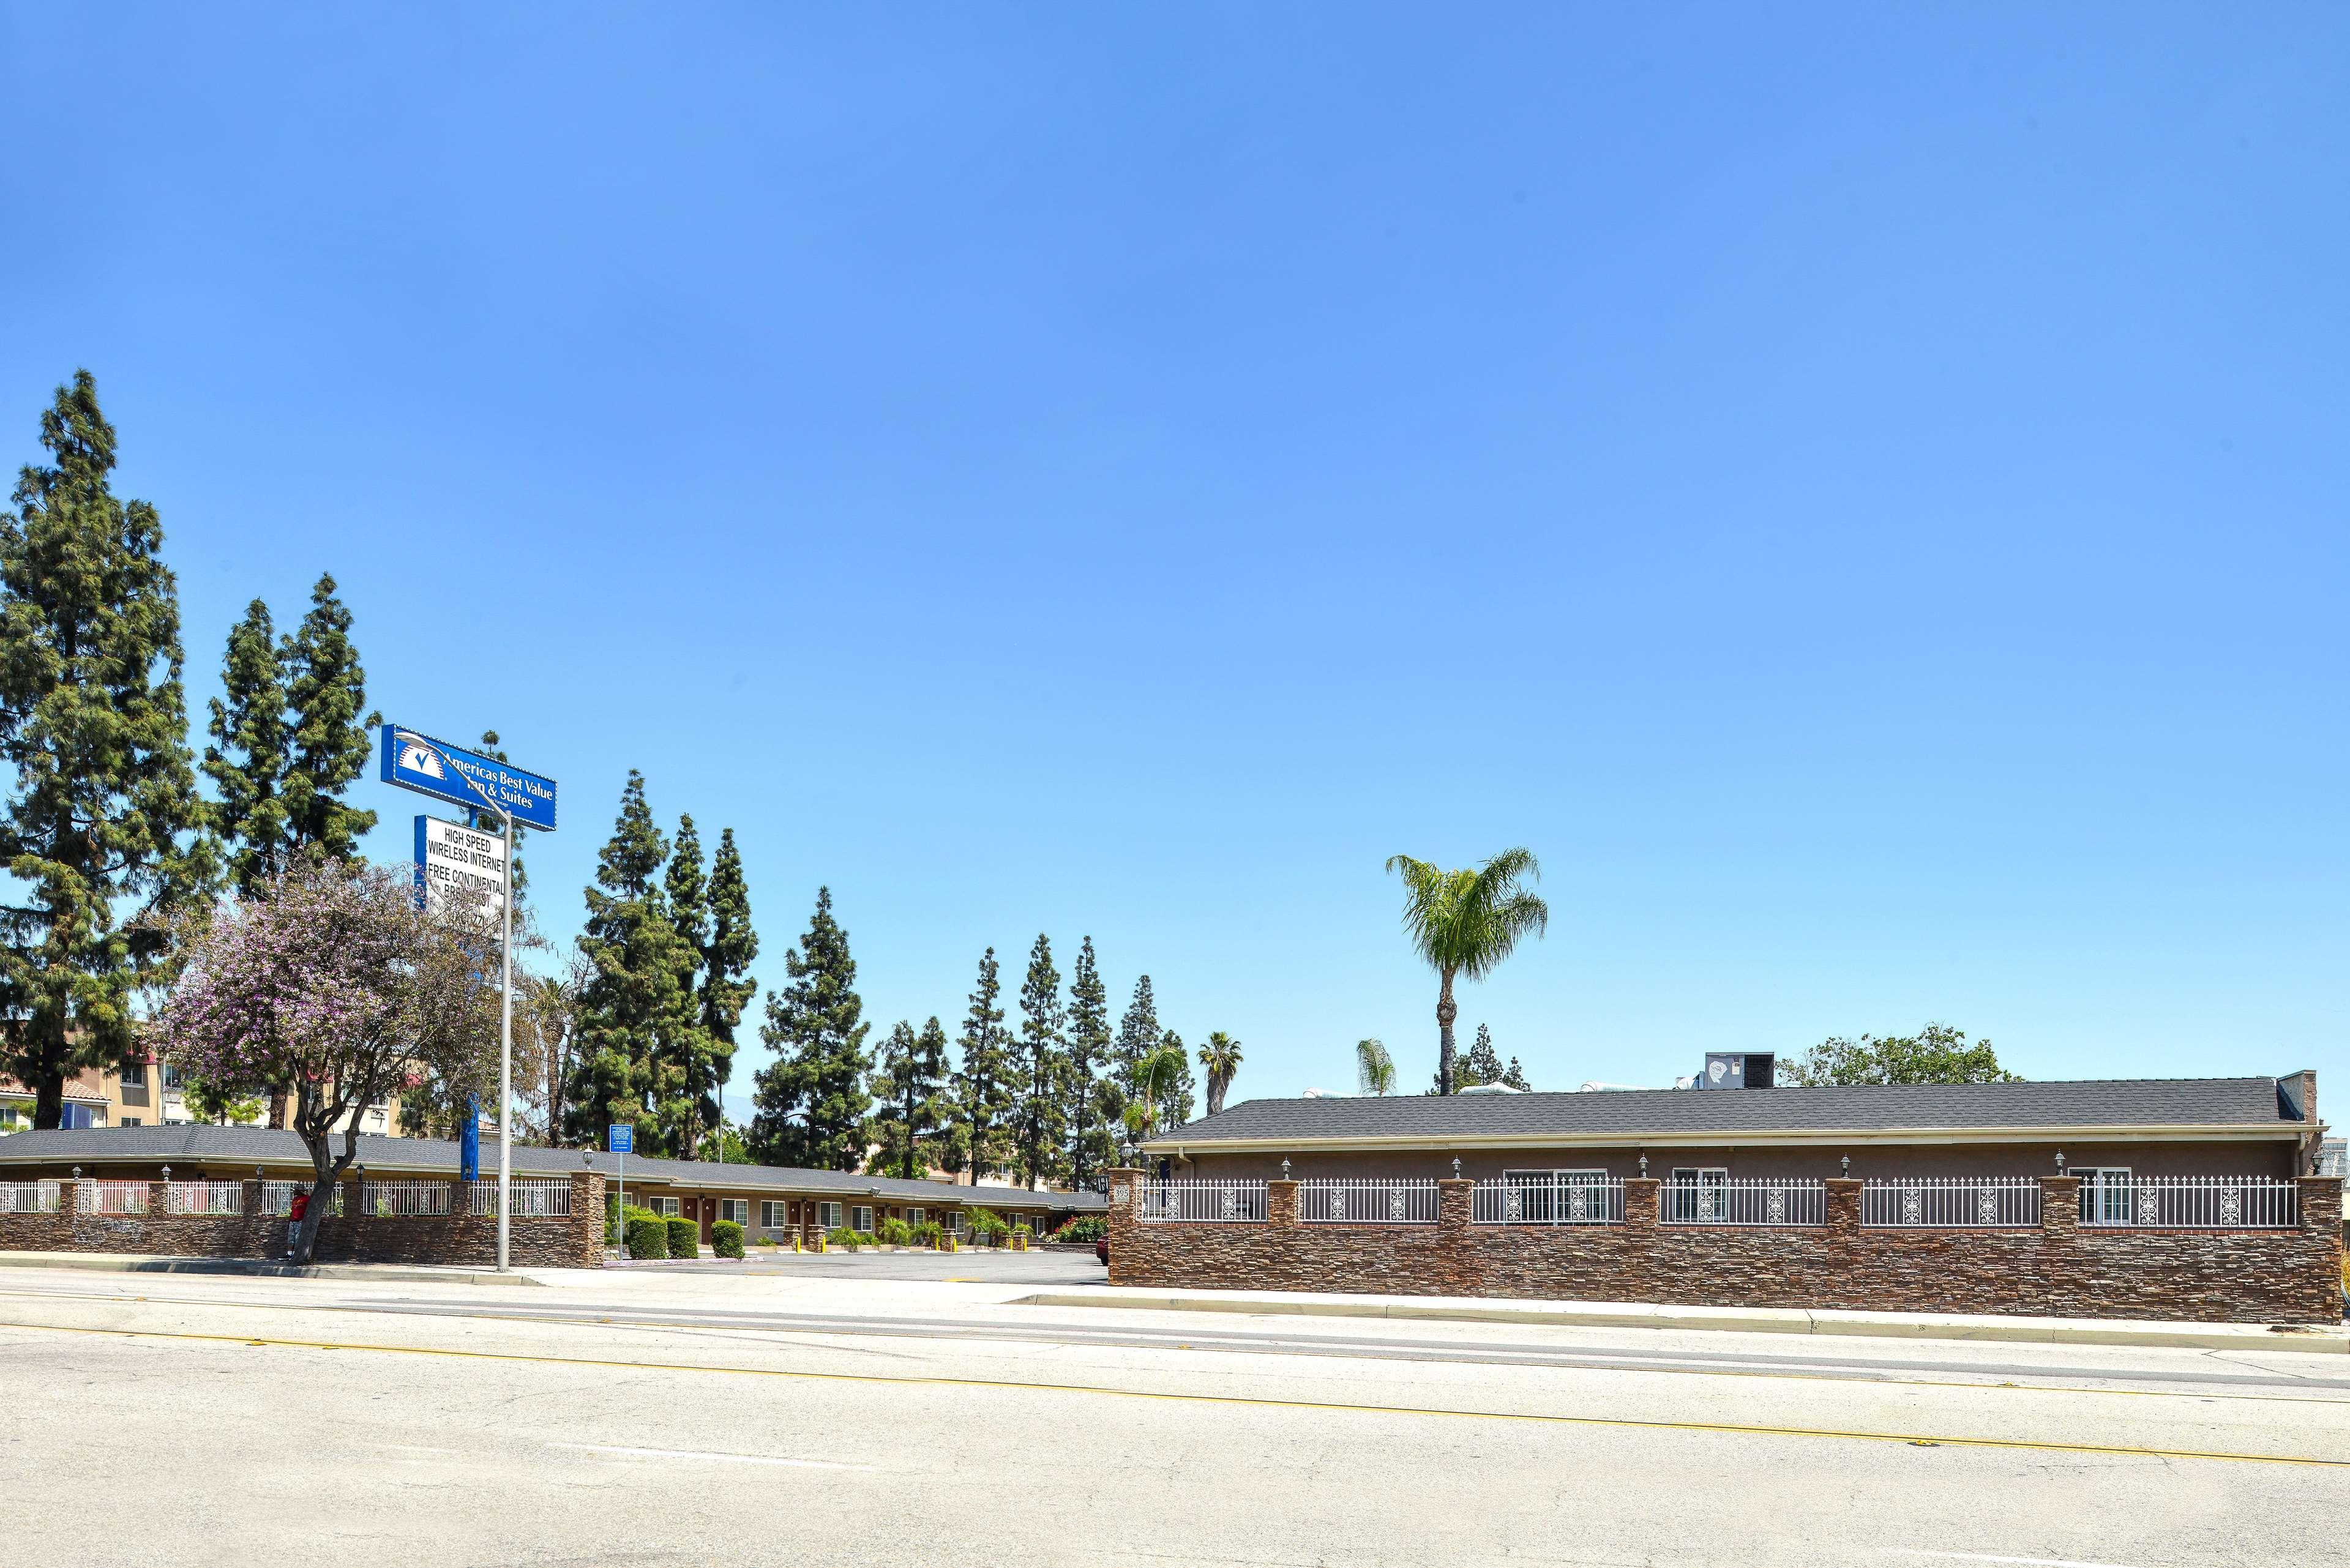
{"type": "Point", "coordinates": [726, 1239]}
{"type": "Point", "coordinates": [987, 1223]}
{"type": "Point", "coordinates": [847, 1240]}
{"type": "Point", "coordinates": [928, 1233]}
{"type": "Point", "coordinates": [765, 1241]}
{"type": "Point", "coordinates": [1086, 1227]}
{"type": "Point", "coordinates": [647, 1236]}
{"type": "Point", "coordinates": [897, 1233]}
{"type": "Point", "coordinates": [684, 1239]}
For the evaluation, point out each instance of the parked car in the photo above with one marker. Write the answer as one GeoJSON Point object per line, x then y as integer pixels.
{"type": "Point", "coordinates": [1101, 1249]}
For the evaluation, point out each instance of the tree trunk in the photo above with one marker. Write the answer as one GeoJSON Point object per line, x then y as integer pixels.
{"type": "Point", "coordinates": [49, 1100]}
{"type": "Point", "coordinates": [1445, 1013]}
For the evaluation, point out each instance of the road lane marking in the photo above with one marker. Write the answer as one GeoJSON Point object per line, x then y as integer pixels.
{"type": "Point", "coordinates": [712, 1458]}
{"type": "Point", "coordinates": [1987, 1557]}
{"type": "Point", "coordinates": [1725, 1428]}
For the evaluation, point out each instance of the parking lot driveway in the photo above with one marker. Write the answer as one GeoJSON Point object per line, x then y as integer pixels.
{"type": "Point", "coordinates": [983, 1266]}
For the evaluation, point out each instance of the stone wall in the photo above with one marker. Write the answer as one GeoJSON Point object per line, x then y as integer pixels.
{"type": "Point", "coordinates": [461, 1237]}
{"type": "Point", "coordinates": [2057, 1268]}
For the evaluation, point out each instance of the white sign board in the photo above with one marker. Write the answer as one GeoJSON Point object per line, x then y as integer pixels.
{"type": "Point", "coordinates": [458, 865]}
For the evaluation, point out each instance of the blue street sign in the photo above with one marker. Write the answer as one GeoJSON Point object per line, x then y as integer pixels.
{"type": "Point", "coordinates": [415, 761]}
{"type": "Point", "coordinates": [621, 1140]}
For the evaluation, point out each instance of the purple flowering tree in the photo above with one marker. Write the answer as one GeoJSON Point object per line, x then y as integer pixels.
{"type": "Point", "coordinates": [332, 984]}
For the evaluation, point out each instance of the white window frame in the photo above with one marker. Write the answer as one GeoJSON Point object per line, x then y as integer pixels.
{"type": "Point", "coordinates": [2108, 1187]}
{"type": "Point", "coordinates": [669, 1208]}
{"type": "Point", "coordinates": [1697, 1177]}
{"type": "Point", "coordinates": [860, 1218]}
{"type": "Point", "coordinates": [828, 1216]}
{"type": "Point", "coordinates": [738, 1210]}
{"type": "Point", "coordinates": [134, 1074]}
{"type": "Point", "coordinates": [773, 1215]}
{"type": "Point", "coordinates": [914, 1216]}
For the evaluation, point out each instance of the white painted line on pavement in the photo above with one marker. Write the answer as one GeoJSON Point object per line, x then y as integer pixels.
{"type": "Point", "coordinates": [721, 1458]}
{"type": "Point", "coordinates": [1986, 1557]}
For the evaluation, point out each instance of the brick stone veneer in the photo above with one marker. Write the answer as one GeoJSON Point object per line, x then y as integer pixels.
{"type": "Point", "coordinates": [2056, 1269]}
{"type": "Point", "coordinates": [573, 1241]}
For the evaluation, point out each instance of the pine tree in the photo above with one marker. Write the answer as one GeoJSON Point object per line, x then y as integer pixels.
{"type": "Point", "coordinates": [103, 825]}
{"type": "Point", "coordinates": [633, 999]}
{"type": "Point", "coordinates": [1482, 1064]}
{"type": "Point", "coordinates": [726, 984]}
{"type": "Point", "coordinates": [1175, 1104]}
{"type": "Point", "coordinates": [908, 1089]}
{"type": "Point", "coordinates": [812, 1101]}
{"type": "Point", "coordinates": [685, 1065]}
{"type": "Point", "coordinates": [1137, 1037]}
{"type": "Point", "coordinates": [249, 755]}
{"type": "Point", "coordinates": [1090, 1138]}
{"type": "Point", "coordinates": [1043, 1072]}
{"type": "Point", "coordinates": [488, 822]}
{"type": "Point", "coordinates": [326, 692]}
{"type": "Point", "coordinates": [981, 1091]}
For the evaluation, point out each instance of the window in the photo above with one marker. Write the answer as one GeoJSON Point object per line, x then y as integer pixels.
{"type": "Point", "coordinates": [668, 1208]}
{"type": "Point", "coordinates": [131, 1122]}
{"type": "Point", "coordinates": [134, 1074]}
{"type": "Point", "coordinates": [828, 1215]}
{"type": "Point", "coordinates": [80, 1115]}
{"type": "Point", "coordinates": [771, 1215]}
{"type": "Point", "coordinates": [171, 1078]}
{"type": "Point", "coordinates": [735, 1209]}
{"type": "Point", "coordinates": [1543, 1195]}
{"type": "Point", "coordinates": [1697, 1193]}
{"type": "Point", "coordinates": [2105, 1194]}
{"type": "Point", "coordinates": [863, 1217]}
{"type": "Point", "coordinates": [914, 1216]}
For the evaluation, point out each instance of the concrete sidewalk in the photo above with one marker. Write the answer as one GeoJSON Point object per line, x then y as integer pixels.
{"type": "Point", "coordinates": [2333, 1340]}
{"type": "Point", "coordinates": [141, 1263]}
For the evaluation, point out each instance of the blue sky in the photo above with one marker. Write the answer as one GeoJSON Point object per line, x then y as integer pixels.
{"type": "Point", "coordinates": [1859, 491]}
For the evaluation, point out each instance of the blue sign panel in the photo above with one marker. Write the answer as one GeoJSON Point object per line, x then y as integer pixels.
{"type": "Point", "coordinates": [417, 762]}
{"type": "Point", "coordinates": [621, 1140]}
{"type": "Point", "coordinates": [468, 1146]}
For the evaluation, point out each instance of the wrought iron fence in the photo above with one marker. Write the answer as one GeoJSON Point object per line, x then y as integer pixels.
{"type": "Point", "coordinates": [402, 1199]}
{"type": "Point", "coordinates": [1209, 1202]}
{"type": "Point", "coordinates": [1368, 1200]}
{"type": "Point", "coordinates": [1936, 1203]}
{"type": "Point", "coordinates": [278, 1197]}
{"type": "Point", "coordinates": [1557, 1200]}
{"type": "Point", "coordinates": [29, 1197]}
{"type": "Point", "coordinates": [1752, 1201]}
{"type": "Point", "coordinates": [111, 1197]}
{"type": "Point", "coordinates": [534, 1200]}
{"type": "Point", "coordinates": [204, 1198]}
{"type": "Point", "coordinates": [2190, 1203]}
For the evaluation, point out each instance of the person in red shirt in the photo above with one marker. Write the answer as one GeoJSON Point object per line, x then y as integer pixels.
{"type": "Point", "coordinates": [300, 1206]}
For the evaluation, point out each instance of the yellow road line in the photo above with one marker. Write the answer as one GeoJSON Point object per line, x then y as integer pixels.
{"type": "Point", "coordinates": [1005, 1384]}
{"type": "Point", "coordinates": [1225, 1345]}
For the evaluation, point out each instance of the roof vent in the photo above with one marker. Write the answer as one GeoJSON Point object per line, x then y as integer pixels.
{"type": "Point", "coordinates": [1488, 1090]}
{"type": "Point", "coordinates": [1738, 1070]}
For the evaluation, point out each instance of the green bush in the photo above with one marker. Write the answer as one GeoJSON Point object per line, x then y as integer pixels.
{"type": "Point", "coordinates": [929, 1233]}
{"type": "Point", "coordinates": [987, 1223]}
{"type": "Point", "coordinates": [726, 1239]}
{"type": "Point", "coordinates": [684, 1239]}
{"type": "Point", "coordinates": [897, 1233]}
{"type": "Point", "coordinates": [847, 1240]}
{"type": "Point", "coordinates": [647, 1236]}
{"type": "Point", "coordinates": [765, 1241]}
{"type": "Point", "coordinates": [1086, 1227]}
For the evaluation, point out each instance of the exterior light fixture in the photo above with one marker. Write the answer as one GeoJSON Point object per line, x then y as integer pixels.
{"type": "Point", "coordinates": [1456, 1167]}
{"type": "Point", "coordinates": [1847, 1163]}
{"type": "Point", "coordinates": [2060, 1162]}
{"type": "Point", "coordinates": [167, 1173]}
{"type": "Point", "coordinates": [1284, 1169]}
{"type": "Point", "coordinates": [1644, 1162]}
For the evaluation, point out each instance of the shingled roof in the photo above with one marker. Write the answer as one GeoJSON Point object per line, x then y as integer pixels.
{"type": "Point", "coordinates": [193, 1144]}
{"type": "Point", "coordinates": [2202, 1102]}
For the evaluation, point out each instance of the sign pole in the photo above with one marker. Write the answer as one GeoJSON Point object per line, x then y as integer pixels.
{"type": "Point", "coordinates": [505, 1052]}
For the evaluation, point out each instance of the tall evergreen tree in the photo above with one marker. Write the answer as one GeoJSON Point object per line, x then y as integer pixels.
{"type": "Point", "coordinates": [1138, 1038]}
{"type": "Point", "coordinates": [633, 1000]}
{"type": "Point", "coordinates": [811, 1102]}
{"type": "Point", "coordinates": [684, 1066]}
{"type": "Point", "coordinates": [326, 692]}
{"type": "Point", "coordinates": [908, 1087]}
{"type": "Point", "coordinates": [486, 822]}
{"type": "Point", "coordinates": [1091, 1134]}
{"type": "Point", "coordinates": [982, 1090]}
{"type": "Point", "coordinates": [103, 821]}
{"type": "Point", "coordinates": [1043, 1067]}
{"type": "Point", "coordinates": [1176, 1094]}
{"type": "Point", "coordinates": [250, 753]}
{"type": "Point", "coordinates": [726, 986]}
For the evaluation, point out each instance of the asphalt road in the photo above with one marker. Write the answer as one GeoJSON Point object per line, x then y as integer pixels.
{"type": "Point", "coordinates": [648, 1418]}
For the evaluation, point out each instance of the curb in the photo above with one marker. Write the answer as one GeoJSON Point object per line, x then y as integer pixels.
{"type": "Point", "coordinates": [99, 1263]}
{"type": "Point", "coordinates": [2302, 1338]}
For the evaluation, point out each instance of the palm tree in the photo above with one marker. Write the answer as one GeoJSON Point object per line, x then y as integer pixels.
{"type": "Point", "coordinates": [1464, 923]}
{"type": "Point", "coordinates": [1222, 1057]}
{"type": "Point", "coordinates": [1154, 1076]}
{"type": "Point", "coordinates": [1374, 1068]}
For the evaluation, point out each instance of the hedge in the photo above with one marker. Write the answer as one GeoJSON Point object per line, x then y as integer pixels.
{"type": "Point", "coordinates": [647, 1236]}
{"type": "Point", "coordinates": [726, 1239]}
{"type": "Point", "coordinates": [684, 1239]}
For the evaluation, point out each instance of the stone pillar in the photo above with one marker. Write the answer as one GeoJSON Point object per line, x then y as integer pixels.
{"type": "Point", "coordinates": [1281, 1204]}
{"type": "Point", "coordinates": [2320, 1205]}
{"type": "Point", "coordinates": [1640, 1204]}
{"type": "Point", "coordinates": [159, 1199]}
{"type": "Point", "coordinates": [1124, 1266]}
{"type": "Point", "coordinates": [2060, 1205]}
{"type": "Point", "coordinates": [1454, 1200]}
{"type": "Point", "coordinates": [584, 1231]}
{"type": "Point", "coordinates": [1843, 1209]}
